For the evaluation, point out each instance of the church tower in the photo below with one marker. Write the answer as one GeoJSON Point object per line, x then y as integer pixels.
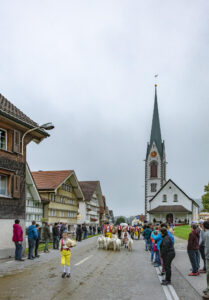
{"type": "Point", "coordinates": [155, 163]}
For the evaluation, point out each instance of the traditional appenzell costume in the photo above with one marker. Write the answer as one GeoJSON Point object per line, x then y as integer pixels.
{"type": "Point", "coordinates": [65, 256]}
{"type": "Point", "coordinates": [107, 230]}
{"type": "Point", "coordinates": [136, 232]}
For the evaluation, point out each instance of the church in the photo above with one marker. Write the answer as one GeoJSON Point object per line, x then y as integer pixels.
{"type": "Point", "coordinates": [165, 201]}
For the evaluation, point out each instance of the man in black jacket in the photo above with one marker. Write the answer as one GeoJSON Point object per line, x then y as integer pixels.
{"type": "Point", "coordinates": [37, 241]}
{"type": "Point", "coordinates": [56, 234]}
{"type": "Point", "coordinates": [168, 253]}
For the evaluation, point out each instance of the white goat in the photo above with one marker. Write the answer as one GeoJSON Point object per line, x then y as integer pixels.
{"type": "Point", "coordinates": [101, 242]}
{"type": "Point", "coordinates": [107, 241]}
{"type": "Point", "coordinates": [130, 244]}
{"type": "Point", "coordinates": [118, 244]}
{"type": "Point", "coordinates": [111, 245]}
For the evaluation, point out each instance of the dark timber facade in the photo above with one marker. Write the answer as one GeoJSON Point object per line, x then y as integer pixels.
{"type": "Point", "coordinates": [13, 124]}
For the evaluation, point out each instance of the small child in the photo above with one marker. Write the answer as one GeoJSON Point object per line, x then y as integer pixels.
{"type": "Point", "coordinates": [153, 247]}
{"type": "Point", "coordinates": [64, 247]}
{"type": "Point", "coordinates": [126, 237]}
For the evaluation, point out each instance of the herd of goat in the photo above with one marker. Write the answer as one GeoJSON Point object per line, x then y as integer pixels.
{"type": "Point", "coordinates": [113, 243]}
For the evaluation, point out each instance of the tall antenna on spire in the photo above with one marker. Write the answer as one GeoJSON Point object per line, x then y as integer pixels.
{"type": "Point", "coordinates": [156, 76]}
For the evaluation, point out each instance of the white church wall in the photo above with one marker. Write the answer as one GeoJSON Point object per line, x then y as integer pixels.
{"type": "Point", "coordinates": [170, 190]}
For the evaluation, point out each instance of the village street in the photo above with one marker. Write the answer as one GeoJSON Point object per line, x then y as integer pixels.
{"type": "Point", "coordinates": [96, 274]}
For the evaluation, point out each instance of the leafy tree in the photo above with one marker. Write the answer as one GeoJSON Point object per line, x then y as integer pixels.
{"type": "Point", "coordinates": [205, 198]}
{"type": "Point", "coordinates": [119, 220]}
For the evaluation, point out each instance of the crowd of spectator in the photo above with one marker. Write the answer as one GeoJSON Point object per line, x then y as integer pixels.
{"type": "Point", "coordinates": [45, 234]}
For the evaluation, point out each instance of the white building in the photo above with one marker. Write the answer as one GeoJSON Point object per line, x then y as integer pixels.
{"type": "Point", "coordinates": [90, 210]}
{"type": "Point", "coordinates": [164, 201]}
{"type": "Point", "coordinates": [172, 205]}
{"type": "Point", "coordinates": [34, 206]}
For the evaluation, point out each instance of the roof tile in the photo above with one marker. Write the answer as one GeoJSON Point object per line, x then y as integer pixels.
{"type": "Point", "coordinates": [11, 110]}
{"type": "Point", "coordinates": [88, 188]}
{"type": "Point", "coordinates": [169, 209]}
{"type": "Point", "coordinates": [49, 180]}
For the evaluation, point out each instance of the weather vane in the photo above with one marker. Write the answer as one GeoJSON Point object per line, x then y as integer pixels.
{"type": "Point", "coordinates": [156, 76]}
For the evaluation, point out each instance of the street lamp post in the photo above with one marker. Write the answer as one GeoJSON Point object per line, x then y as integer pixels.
{"type": "Point", "coordinates": [47, 126]}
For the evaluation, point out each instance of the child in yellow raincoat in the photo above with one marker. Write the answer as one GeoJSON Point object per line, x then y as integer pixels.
{"type": "Point", "coordinates": [64, 247]}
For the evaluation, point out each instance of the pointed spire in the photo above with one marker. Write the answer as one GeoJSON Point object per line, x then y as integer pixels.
{"type": "Point", "coordinates": [156, 132]}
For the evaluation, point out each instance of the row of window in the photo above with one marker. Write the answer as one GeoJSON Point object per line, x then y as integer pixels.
{"type": "Point", "coordinates": [3, 139]}
{"type": "Point", "coordinates": [16, 140]}
{"type": "Point", "coordinates": [67, 187]}
{"type": "Point", "coordinates": [175, 198]}
{"type": "Point", "coordinates": [9, 185]}
{"type": "Point", "coordinates": [33, 217]}
{"type": "Point", "coordinates": [31, 203]}
{"type": "Point", "coordinates": [64, 200]}
{"type": "Point", "coordinates": [69, 214]}
{"type": "Point", "coordinates": [92, 208]}
{"type": "Point", "coordinates": [3, 185]}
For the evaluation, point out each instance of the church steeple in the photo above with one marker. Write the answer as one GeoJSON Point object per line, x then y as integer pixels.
{"type": "Point", "coordinates": [156, 132]}
{"type": "Point", "coordinates": [155, 163]}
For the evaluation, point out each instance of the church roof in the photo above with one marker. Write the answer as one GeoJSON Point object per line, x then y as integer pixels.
{"type": "Point", "coordinates": [177, 188]}
{"type": "Point", "coordinates": [156, 131]}
{"type": "Point", "coordinates": [169, 209]}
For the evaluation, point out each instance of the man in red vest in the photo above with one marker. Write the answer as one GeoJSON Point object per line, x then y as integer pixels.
{"type": "Point", "coordinates": [136, 232]}
{"type": "Point", "coordinates": [107, 230]}
{"type": "Point", "coordinates": [129, 228]}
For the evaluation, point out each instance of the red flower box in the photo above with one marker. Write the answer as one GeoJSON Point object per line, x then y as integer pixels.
{"type": "Point", "coordinates": [93, 219]}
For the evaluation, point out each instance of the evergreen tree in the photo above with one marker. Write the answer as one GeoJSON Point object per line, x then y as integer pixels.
{"type": "Point", "coordinates": [205, 198]}
{"type": "Point", "coordinates": [119, 220]}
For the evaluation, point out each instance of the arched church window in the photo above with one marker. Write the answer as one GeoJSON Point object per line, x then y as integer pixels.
{"type": "Point", "coordinates": [164, 198]}
{"type": "Point", "coordinates": [153, 169]}
{"type": "Point", "coordinates": [175, 198]}
{"type": "Point", "coordinates": [153, 187]}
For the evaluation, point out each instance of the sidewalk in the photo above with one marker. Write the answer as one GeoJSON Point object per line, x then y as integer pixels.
{"type": "Point", "coordinates": [182, 264]}
{"type": "Point", "coordinates": [11, 266]}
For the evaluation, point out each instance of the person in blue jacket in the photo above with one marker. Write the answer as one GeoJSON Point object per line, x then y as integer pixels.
{"type": "Point", "coordinates": [32, 237]}
{"type": "Point", "coordinates": [158, 238]}
{"type": "Point", "coordinates": [147, 234]}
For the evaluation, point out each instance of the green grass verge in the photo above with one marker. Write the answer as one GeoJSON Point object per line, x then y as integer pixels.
{"type": "Point", "coordinates": [182, 231]}
{"type": "Point", "coordinates": [41, 247]}
{"type": "Point", "coordinates": [90, 236]}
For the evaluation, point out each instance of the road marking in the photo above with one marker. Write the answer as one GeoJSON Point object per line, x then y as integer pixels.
{"type": "Point", "coordinates": [169, 290]}
{"type": "Point", "coordinates": [9, 262]}
{"type": "Point", "coordinates": [83, 260]}
{"type": "Point", "coordinates": [173, 292]}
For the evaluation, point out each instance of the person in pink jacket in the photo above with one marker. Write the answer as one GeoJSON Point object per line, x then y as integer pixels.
{"type": "Point", "coordinates": [18, 239]}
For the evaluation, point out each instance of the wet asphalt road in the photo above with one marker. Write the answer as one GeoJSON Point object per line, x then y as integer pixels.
{"type": "Point", "coordinates": [104, 275]}
{"type": "Point", "coordinates": [96, 274]}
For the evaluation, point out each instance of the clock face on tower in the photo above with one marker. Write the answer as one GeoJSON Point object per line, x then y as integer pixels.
{"type": "Point", "coordinates": [153, 153]}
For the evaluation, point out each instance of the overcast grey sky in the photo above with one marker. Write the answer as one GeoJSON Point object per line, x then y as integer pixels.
{"type": "Point", "coordinates": [88, 66]}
